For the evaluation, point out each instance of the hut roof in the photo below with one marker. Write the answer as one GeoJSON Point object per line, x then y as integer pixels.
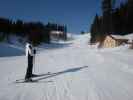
{"type": "Point", "coordinates": [123, 37]}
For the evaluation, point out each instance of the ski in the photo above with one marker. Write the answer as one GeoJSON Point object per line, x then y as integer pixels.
{"type": "Point", "coordinates": [24, 81]}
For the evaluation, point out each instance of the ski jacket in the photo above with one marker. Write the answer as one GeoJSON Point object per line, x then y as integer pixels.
{"type": "Point", "coordinates": [29, 50]}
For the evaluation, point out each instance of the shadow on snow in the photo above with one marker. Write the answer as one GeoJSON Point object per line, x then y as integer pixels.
{"type": "Point", "coordinates": [8, 51]}
{"type": "Point", "coordinates": [50, 75]}
{"type": "Point", "coordinates": [52, 46]}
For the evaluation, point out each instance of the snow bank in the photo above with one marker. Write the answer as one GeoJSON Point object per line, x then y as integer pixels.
{"type": "Point", "coordinates": [119, 48]}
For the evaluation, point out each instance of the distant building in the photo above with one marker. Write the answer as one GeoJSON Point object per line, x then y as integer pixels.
{"type": "Point", "coordinates": [57, 31]}
{"type": "Point", "coordinates": [111, 41]}
{"type": "Point", "coordinates": [58, 35]}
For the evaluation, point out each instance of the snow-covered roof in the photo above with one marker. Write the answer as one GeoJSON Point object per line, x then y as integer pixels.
{"type": "Point", "coordinates": [118, 36]}
{"type": "Point", "coordinates": [127, 37]}
{"type": "Point", "coordinates": [56, 32]}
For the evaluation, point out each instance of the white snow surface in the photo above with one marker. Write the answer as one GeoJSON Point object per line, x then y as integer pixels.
{"type": "Point", "coordinates": [128, 36]}
{"type": "Point", "coordinates": [77, 72]}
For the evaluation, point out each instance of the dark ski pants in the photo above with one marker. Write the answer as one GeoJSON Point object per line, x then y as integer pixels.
{"type": "Point", "coordinates": [29, 68]}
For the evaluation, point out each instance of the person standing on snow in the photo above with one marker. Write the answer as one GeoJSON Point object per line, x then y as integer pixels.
{"type": "Point", "coordinates": [30, 54]}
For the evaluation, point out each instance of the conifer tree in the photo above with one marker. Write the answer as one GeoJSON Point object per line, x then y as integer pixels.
{"type": "Point", "coordinates": [107, 16]}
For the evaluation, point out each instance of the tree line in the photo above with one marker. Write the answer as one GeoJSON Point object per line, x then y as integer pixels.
{"type": "Point", "coordinates": [114, 20]}
{"type": "Point", "coordinates": [35, 32]}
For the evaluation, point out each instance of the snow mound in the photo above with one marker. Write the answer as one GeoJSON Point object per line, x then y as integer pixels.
{"type": "Point", "coordinates": [119, 48]}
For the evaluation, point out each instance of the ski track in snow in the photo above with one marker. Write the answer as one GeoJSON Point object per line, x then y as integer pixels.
{"type": "Point", "coordinates": [78, 72]}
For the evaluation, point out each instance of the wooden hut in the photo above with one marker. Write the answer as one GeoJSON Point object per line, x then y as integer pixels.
{"type": "Point", "coordinates": [111, 41]}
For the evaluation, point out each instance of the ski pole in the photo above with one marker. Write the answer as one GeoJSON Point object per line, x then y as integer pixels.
{"type": "Point", "coordinates": [34, 60]}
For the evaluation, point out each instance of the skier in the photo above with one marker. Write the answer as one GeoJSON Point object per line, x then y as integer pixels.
{"type": "Point", "coordinates": [30, 54]}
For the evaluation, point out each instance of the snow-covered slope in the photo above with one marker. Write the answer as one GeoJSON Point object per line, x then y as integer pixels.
{"type": "Point", "coordinates": [14, 46]}
{"type": "Point", "coordinates": [7, 50]}
{"type": "Point", "coordinates": [77, 72]}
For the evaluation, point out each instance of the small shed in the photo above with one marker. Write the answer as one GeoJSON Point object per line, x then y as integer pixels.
{"type": "Point", "coordinates": [111, 41]}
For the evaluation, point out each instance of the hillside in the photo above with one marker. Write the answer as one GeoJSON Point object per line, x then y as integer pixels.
{"type": "Point", "coordinates": [77, 72]}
